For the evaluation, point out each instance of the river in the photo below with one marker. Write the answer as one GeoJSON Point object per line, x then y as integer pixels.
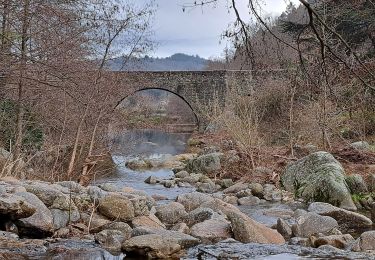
{"type": "Point", "coordinates": [158, 144]}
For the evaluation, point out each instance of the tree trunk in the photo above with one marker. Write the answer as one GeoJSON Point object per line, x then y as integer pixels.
{"type": "Point", "coordinates": [22, 70]}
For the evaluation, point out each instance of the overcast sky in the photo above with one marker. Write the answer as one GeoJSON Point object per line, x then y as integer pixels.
{"type": "Point", "coordinates": [198, 30]}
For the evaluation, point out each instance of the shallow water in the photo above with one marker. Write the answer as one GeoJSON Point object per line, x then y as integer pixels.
{"type": "Point", "coordinates": [125, 177]}
{"type": "Point", "coordinates": [152, 143]}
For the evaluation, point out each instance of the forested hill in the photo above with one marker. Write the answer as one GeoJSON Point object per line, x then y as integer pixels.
{"type": "Point", "coordinates": [176, 62]}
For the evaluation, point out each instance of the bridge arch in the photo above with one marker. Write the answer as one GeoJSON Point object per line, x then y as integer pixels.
{"type": "Point", "coordinates": [182, 98]}
{"type": "Point", "coordinates": [196, 88]}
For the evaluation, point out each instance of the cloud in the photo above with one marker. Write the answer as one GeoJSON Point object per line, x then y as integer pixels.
{"type": "Point", "coordinates": [198, 30]}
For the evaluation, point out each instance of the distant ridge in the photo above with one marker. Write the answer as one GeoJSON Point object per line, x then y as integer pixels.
{"type": "Point", "coordinates": [176, 62]}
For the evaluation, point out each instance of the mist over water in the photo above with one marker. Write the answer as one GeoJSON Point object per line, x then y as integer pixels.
{"type": "Point", "coordinates": [148, 142]}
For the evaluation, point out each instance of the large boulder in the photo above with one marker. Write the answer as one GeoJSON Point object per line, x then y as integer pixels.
{"type": "Point", "coordinates": [96, 193]}
{"type": "Point", "coordinates": [207, 163]}
{"type": "Point", "coordinates": [366, 241]}
{"type": "Point", "coordinates": [318, 177]}
{"type": "Point", "coordinates": [244, 228]}
{"type": "Point", "coordinates": [199, 215]}
{"type": "Point", "coordinates": [119, 226]}
{"type": "Point", "coordinates": [15, 207]}
{"type": "Point", "coordinates": [152, 246]}
{"type": "Point", "coordinates": [61, 218]}
{"type": "Point", "coordinates": [345, 218]}
{"type": "Point", "coordinates": [46, 192]}
{"type": "Point", "coordinates": [116, 207]}
{"type": "Point", "coordinates": [111, 239]}
{"type": "Point", "coordinates": [312, 223]}
{"type": "Point", "coordinates": [247, 230]}
{"type": "Point", "coordinates": [171, 213]}
{"type": "Point", "coordinates": [40, 224]}
{"type": "Point", "coordinates": [184, 240]}
{"type": "Point", "coordinates": [212, 230]}
{"type": "Point", "coordinates": [193, 200]}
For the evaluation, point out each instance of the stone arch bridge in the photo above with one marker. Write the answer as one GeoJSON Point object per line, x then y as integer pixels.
{"type": "Point", "coordinates": [196, 88]}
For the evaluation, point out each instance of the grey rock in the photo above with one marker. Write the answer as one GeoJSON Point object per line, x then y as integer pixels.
{"type": "Point", "coordinates": [181, 227]}
{"type": "Point", "coordinates": [207, 163]}
{"type": "Point", "coordinates": [249, 201]}
{"type": "Point", "coordinates": [182, 184]}
{"type": "Point", "coordinates": [337, 241]}
{"type": "Point", "coordinates": [108, 187]}
{"type": "Point", "coordinates": [244, 193]}
{"type": "Point", "coordinates": [147, 221]}
{"type": "Point", "coordinates": [61, 218]}
{"type": "Point", "coordinates": [345, 218]}
{"type": "Point", "coordinates": [184, 240]}
{"type": "Point", "coordinates": [247, 230]}
{"type": "Point", "coordinates": [207, 188]}
{"type": "Point", "coordinates": [110, 239]}
{"type": "Point", "coordinates": [40, 224]}
{"type": "Point", "coordinates": [169, 183]}
{"type": "Point", "coordinates": [15, 207]}
{"type": "Point", "coordinates": [235, 250]}
{"type": "Point", "coordinates": [300, 241]}
{"type": "Point", "coordinates": [226, 183]}
{"type": "Point", "coordinates": [193, 178]}
{"type": "Point", "coordinates": [256, 189]}
{"type": "Point", "coordinates": [119, 226]}
{"type": "Point", "coordinates": [171, 213]}
{"type": "Point", "coordinates": [95, 222]}
{"type": "Point", "coordinates": [72, 186]}
{"type": "Point", "coordinates": [96, 193]}
{"type": "Point", "coordinates": [356, 184]}
{"type": "Point", "coordinates": [199, 215]}
{"type": "Point", "coordinates": [360, 145]}
{"type": "Point", "coordinates": [193, 200]}
{"type": "Point", "coordinates": [318, 177]}
{"type": "Point", "coordinates": [116, 207]}
{"type": "Point", "coordinates": [284, 229]}
{"type": "Point", "coordinates": [45, 192]}
{"type": "Point", "coordinates": [367, 241]}
{"type": "Point", "coordinates": [8, 235]}
{"type": "Point", "coordinates": [151, 180]}
{"type": "Point", "coordinates": [231, 200]}
{"type": "Point", "coordinates": [236, 188]}
{"type": "Point", "coordinates": [312, 223]}
{"type": "Point", "coordinates": [212, 230]}
{"type": "Point", "coordinates": [182, 174]}
{"type": "Point", "coordinates": [141, 205]}
{"type": "Point", "coordinates": [152, 246]}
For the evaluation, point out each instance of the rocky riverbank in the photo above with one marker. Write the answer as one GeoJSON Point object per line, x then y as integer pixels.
{"type": "Point", "coordinates": [64, 217]}
{"type": "Point", "coordinates": [314, 214]}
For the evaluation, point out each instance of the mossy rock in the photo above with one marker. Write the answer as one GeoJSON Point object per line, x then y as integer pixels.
{"type": "Point", "coordinates": [207, 163]}
{"type": "Point", "coordinates": [356, 184]}
{"type": "Point", "coordinates": [318, 177]}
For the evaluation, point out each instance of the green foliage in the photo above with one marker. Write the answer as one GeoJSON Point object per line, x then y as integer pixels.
{"type": "Point", "coordinates": [33, 134]}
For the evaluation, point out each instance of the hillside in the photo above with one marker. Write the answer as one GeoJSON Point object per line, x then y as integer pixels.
{"type": "Point", "coordinates": [176, 62]}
